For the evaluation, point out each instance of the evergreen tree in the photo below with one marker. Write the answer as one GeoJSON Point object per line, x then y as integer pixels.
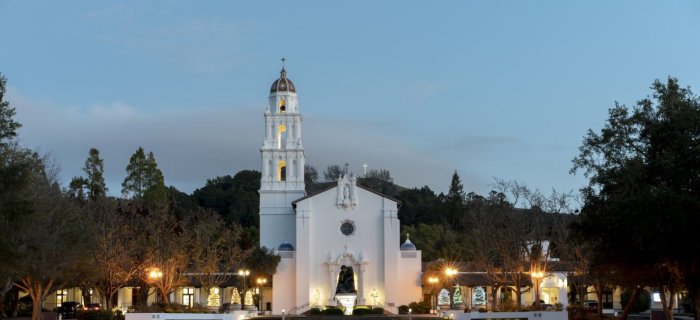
{"type": "Point", "coordinates": [479, 296]}
{"type": "Point", "coordinates": [8, 126]}
{"type": "Point", "coordinates": [144, 180]}
{"type": "Point", "coordinates": [454, 208]}
{"type": "Point", "coordinates": [135, 181]}
{"type": "Point", "coordinates": [235, 296]}
{"type": "Point", "coordinates": [94, 169]}
{"type": "Point", "coordinates": [457, 296]}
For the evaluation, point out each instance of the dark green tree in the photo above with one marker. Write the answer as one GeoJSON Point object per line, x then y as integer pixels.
{"type": "Point", "coordinates": [380, 180]}
{"type": "Point", "coordinates": [136, 182]}
{"type": "Point", "coordinates": [94, 170]}
{"type": "Point", "coordinates": [8, 126]}
{"type": "Point", "coordinates": [644, 176]}
{"type": "Point", "coordinates": [46, 238]}
{"type": "Point", "coordinates": [144, 180]}
{"type": "Point", "coordinates": [332, 173]}
{"type": "Point", "coordinates": [310, 178]}
{"type": "Point", "coordinates": [235, 198]}
{"type": "Point", "coordinates": [76, 189]}
{"type": "Point", "coordinates": [418, 206]}
{"type": "Point", "coordinates": [454, 209]}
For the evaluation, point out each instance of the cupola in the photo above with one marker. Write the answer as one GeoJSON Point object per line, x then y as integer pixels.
{"type": "Point", "coordinates": [282, 83]}
{"type": "Point", "coordinates": [408, 245]}
{"type": "Point", "coordinates": [285, 246]}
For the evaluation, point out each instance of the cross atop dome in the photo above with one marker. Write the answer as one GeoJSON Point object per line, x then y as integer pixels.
{"type": "Point", "coordinates": [283, 84]}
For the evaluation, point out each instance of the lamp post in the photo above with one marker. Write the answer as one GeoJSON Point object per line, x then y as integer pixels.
{"type": "Point", "coordinates": [450, 273]}
{"type": "Point", "coordinates": [154, 275]}
{"type": "Point", "coordinates": [261, 282]}
{"type": "Point", "coordinates": [432, 281]}
{"type": "Point", "coordinates": [243, 273]}
{"type": "Point", "coordinates": [536, 279]}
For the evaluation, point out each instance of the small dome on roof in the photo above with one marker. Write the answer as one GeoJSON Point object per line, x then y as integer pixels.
{"type": "Point", "coordinates": [283, 84]}
{"type": "Point", "coordinates": [408, 245]}
{"type": "Point", "coordinates": [285, 246]}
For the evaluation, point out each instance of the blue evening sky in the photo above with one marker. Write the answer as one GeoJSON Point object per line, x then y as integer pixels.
{"type": "Point", "coordinates": [502, 89]}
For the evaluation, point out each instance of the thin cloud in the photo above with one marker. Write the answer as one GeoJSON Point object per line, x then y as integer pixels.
{"type": "Point", "coordinates": [196, 45]}
{"type": "Point", "coordinates": [192, 146]}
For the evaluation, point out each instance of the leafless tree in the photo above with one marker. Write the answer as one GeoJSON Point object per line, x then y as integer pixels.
{"type": "Point", "coordinates": [214, 249]}
{"type": "Point", "coordinates": [112, 247]}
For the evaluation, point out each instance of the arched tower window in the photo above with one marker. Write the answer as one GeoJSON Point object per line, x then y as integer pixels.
{"type": "Point", "coordinates": [281, 136]}
{"type": "Point", "coordinates": [282, 170]}
{"type": "Point", "coordinates": [283, 106]}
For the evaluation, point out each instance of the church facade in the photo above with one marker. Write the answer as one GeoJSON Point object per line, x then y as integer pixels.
{"type": "Point", "coordinates": [321, 237]}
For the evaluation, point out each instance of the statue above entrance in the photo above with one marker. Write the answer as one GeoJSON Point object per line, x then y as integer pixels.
{"type": "Point", "coordinates": [347, 192]}
{"type": "Point", "coordinates": [346, 280]}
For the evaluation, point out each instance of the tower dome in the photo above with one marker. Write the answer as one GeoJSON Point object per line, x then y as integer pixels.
{"type": "Point", "coordinates": [285, 246]}
{"type": "Point", "coordinates": [408, 245]}
{"type": "Point", "coordinates": [282, 83]}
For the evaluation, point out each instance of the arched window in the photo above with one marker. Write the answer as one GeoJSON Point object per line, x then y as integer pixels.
{"type": "Point", "coordinates": [282, 170]}
{"type": "Point", "coordinates": [283, 106]}
{"type": "Point", "coordinates": [281, 136]}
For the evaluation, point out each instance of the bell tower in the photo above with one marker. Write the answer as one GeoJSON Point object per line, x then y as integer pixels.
{"type": "Point", "coordinates": [282, 177]}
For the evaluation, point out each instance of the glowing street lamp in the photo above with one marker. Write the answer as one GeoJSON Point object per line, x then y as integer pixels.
{"type": "Point", "coordinates": [155, 275]}
{"type": "Point", "coordinates": [261, 283]}
{"type": "Point", "coordinates": [536, 279]}
{"type": "Point", "coordinates": [243, 273]}
{"type": "Point", "coordinates": [450, 272]}
{"type": "Point", "coordinates": [433, 281]}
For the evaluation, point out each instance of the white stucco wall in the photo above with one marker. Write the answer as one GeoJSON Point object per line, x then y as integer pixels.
{"type": "Point", "coordinates": [372, 250]}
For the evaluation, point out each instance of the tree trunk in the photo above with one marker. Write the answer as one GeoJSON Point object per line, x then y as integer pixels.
{"type": "Point", "coordinates": [38, 291]}
{"type": "Point", "coordinates": [599, 287]}
{"type": "Point", "coordinates": [36, 310]}
{"type": "Point", "coordinates": [630, 304]}
{"type": "Point", "coordinates": [518, 297]}
{"type": "Point", "coordinates": [165, 296]}
{"type": "Point", "coordinates": [85, 293]}
{"type": "Point", "coordinates": [668, 302]}
{"type": "Point", "coordinates": [108, 298]}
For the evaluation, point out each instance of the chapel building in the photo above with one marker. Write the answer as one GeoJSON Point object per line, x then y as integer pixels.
{"type": "Point", "coordinates": [345, 226]}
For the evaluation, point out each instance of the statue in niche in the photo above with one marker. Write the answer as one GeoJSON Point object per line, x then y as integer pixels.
{"type": "Point", "coordinates": [346, 280]}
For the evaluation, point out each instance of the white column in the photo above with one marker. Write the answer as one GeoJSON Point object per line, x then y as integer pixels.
{"type": "Point", "coordinates": [331, 272]}
{"type": "Point", "coordinates": [268, 130]}
{"type": "Point", "coordinates": [361, 283]}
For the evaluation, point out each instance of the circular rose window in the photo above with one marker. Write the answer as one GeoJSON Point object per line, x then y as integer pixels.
{"type": "Point", "coordinates": [347, 228]}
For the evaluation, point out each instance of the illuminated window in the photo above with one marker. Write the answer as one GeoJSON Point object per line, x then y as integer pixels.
{"type": "Point", "coordinates": [61, 296]}
{"type": "Point", "coordinates": [283, 106]}
{"type": "Point", "coordinates": [281, 136]}
{"type": "Point", "coordinates": [188, 296]}
{"type": "Point", "coordinates": [282, 170]}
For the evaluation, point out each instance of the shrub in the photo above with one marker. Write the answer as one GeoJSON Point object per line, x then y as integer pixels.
{"type": "Point", "coordinates": [422, 307]}
{"type": "Point", "coordinates": [315, 311]}
{"type": "Point", "coordinates": [361, 311]}
{"type": "Point", "coordinates": [378, 310]}
{"type": "Point", "coordinates": [482, 309]}
{"type": "Point", "coordinates": [333, 311]}
{"type": "Point", "coordinates": [642, 303]}
{"type": "Point", "coordinates": [403, 309]}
